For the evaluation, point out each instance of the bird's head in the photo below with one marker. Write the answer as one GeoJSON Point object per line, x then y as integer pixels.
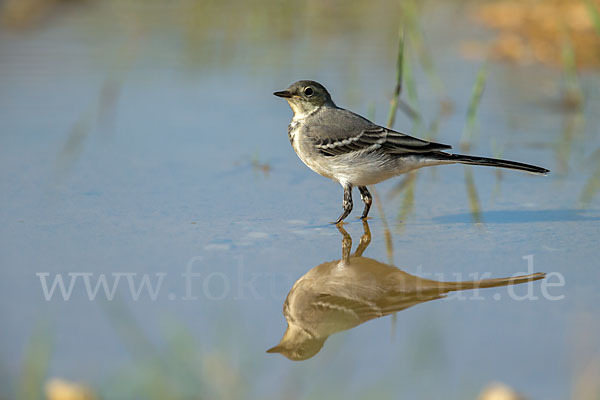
{"type": "Point", "coordinates": [305, 97]}
{"type": "Point", "coordinates": [297, 344]}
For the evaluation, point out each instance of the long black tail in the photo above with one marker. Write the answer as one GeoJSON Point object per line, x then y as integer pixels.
{"type": "Point", "coordinates": [491, 162]}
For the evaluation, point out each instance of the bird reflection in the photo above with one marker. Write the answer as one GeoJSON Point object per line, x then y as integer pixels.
{"type": "Point", "coordinates": [339, 295]}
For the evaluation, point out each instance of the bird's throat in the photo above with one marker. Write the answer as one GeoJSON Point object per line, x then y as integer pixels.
{"type": "Point", "coordinates": [302, 110]}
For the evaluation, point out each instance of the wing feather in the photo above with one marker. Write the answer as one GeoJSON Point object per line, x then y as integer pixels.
{"type": "Point", "coordinates": [341, 132]}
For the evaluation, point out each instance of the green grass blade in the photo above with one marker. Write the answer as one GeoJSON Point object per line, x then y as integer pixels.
{"type": "Point", "coordinates": [35, 365]}
{"type": "Point", "coordinates": [398, 86]}
{"type": "Point", "coordinates": [594, 15]}
{"type": "Point", "coordinates": [473, 196]}
{"type": "Point", "coordinates": [474, 102]}
{"type": "Point", "coordinates": [591, 188]}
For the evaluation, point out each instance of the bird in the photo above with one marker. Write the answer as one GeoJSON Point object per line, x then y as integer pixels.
{"type": "Point", "coordinates": [342, 294]}
{"type": "Point", "coordinates": [348, 148]}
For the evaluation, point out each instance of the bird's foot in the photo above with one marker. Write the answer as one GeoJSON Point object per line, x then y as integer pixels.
{"type": "Point", "coordinates": [339, 223]}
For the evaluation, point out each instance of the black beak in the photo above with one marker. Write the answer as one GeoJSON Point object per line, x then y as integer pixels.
{"type": "Point", "coordinates": [283, 93]}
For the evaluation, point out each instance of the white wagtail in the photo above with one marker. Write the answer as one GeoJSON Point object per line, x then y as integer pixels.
{"type": "Point", "coordinates": [353, 151]}
{"type": "Point", "coordinates": [342, 294]}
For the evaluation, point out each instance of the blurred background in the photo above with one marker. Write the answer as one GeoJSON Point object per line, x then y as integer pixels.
{"type": "Point", "coordinates": [142, 137]}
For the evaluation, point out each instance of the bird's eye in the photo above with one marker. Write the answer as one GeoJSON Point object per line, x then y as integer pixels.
{"type": "Point", "coordinates": [309, 91]}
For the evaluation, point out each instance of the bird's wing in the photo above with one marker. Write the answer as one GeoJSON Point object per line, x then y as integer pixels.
{"type": "Point", "coordinates": [341, 131]}
{"type": "Point", "coordinates": [346, 311]}
{"type": "Point", "coordinates": [354, 310]}
{"type": "Point", "coordinates": [347, 308]}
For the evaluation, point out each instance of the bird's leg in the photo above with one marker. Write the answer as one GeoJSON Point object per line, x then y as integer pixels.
{"type": "Point", "coordinates": [368, 200]}
{"type": "Point", "coordinates": [346, 243]}
{"type": "Point", "coordinates": [365, 239]}
{"type": "Point", "coordinates": [347, 202]}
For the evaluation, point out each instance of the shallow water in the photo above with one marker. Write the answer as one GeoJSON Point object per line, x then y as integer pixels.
{"type": "Point", "coordinates": [126, 154]}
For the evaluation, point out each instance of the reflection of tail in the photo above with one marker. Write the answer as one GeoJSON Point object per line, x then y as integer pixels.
{"type": "Point", "coordinates": [490, 162]}
{"type": "Point", "coordinates": [487, 283]}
